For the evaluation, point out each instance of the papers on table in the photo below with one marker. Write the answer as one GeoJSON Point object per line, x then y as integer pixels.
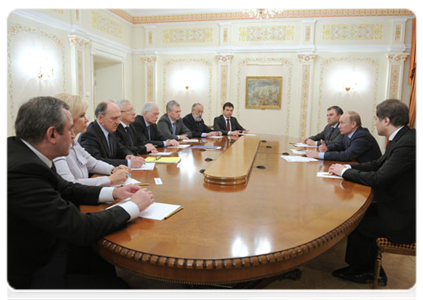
{"type": "Point", "coordinates": [145, 167]}
{"type": "Point", "coordinates": [301, 152]}
{"type": "Point", "coordinates": [161, 153]}
{"type": "Point", "coordinates": [214, 137]}
{"type": "Point", "coordinates": [128, 181]}
{"type": "Point", "coordinates": [248, 134]}
{"type": "Point", "coordinates": [297, 158]}
{"type": "Point", "coordinates": [160, 211]}
{"type": "Point", "coordinates": [163, 160]}
{"type": "Point", "coordinates": [190, 141]}
{"type": "Point", "coordinates": [156, 211]}
{"type": "Point", "coordinates": [177, 147]}
{"type": "Point", "coordinates": [327, 175]}
{"type": "Point", "coordinates": [206, 147]}
{"type": "Point", "coordinates": [304, 145]}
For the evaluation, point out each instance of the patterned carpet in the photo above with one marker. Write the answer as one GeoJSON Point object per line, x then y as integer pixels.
{"type": "Point", "coordinates": [316, 282]}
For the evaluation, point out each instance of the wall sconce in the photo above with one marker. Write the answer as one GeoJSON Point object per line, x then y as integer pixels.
{"type": "Point", "coordinates": [187, 87]}
{"type": "Point", "coordinates": [46, 70]}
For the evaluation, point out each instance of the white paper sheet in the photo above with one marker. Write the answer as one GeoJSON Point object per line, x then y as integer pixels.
{"type": "Point", "coordinates": [190, 141]}
{"type": "Point", "coordinates": [161, 153]}
{"type": "Point", "coordinates": [301, 152]}
{"type": "Point", "coordinates": [158, 211]}
{"type": "Point", "coordinates": [128, 181]}
{"type": "Point", "coordinates": [145, 167]}
{"type": "Point", "coordinates": [297, 158]}
{"type": "Point", "coordinates": [326, 175]}
{"type": "Point", "coordinates": [304, 145]}
{"type": "Point", "coordinates": [178, 147]}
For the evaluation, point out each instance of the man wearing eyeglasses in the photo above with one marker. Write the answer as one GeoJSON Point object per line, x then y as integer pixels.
{"type": "Point", "coordinates": [127, 135]}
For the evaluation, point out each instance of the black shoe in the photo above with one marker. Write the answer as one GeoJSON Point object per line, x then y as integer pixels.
{"type": "Point", "coordinates": [360, 275]}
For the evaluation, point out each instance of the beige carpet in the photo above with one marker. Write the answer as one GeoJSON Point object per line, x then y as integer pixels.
{"type": "Point", "coordinates": [316, 282]}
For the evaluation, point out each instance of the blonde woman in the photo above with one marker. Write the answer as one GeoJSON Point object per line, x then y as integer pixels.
{"type": "Point", "coordinates": [77, 166]}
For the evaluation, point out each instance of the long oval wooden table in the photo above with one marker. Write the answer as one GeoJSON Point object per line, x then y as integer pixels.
{"type": "Point", "coordinates": [281, 218]}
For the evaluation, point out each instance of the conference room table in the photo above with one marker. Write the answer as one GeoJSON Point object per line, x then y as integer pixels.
{"type": "Point", "coordinates": [278, 217]}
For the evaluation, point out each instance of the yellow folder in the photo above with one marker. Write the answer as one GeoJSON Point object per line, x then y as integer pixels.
{"type": "Point", "coordinates": [163, 160]}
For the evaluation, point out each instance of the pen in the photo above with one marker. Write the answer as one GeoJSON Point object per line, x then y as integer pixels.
{"type": "Point", "coordinates": [157, 157]}
{"type": "Point", "coordinates": [179, 209]}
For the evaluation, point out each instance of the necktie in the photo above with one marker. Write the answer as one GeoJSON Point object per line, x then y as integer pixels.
{"type": "Point", "coordinates": [228, 125]}
{"type": "Point", "coordinates": [128, 133]}
{"type": "Point", "coordinates": [387, 144]}
{"type": "Point", "coordinates": [53, 168]}
{"type": "Point", "coordinates": [149, 136]}
{"type": "Point", "coordinates": [174, 128]}
{"type": "Point", "coordinates": [331, 131]}
{"type": "Point", "coordinates": [109, 142]}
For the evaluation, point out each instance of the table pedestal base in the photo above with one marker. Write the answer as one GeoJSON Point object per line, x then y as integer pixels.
{"type": "Point", "coordinates": [238, 291]}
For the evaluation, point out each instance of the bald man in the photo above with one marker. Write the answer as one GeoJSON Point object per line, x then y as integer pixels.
{"type": "Point", "coordinates": [100, 139]}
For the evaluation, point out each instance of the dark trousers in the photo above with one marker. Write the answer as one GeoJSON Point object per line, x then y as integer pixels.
{"type": "Point", "coordinates": [72, 267]}
{"type": "Point", "coordinates": [361, 244]}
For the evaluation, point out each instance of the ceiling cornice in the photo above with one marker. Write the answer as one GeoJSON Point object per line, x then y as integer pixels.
{"type": "Point", "coordinates": [240, 16]}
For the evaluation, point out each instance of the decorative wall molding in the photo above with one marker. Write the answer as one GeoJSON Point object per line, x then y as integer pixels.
{"type": "Point", "coordinates": [307, 65]}
{"type": "Point", "coordinates": [189, 35]}
{"type": "Point", "coordinates": [395, 75]}
{"type": "Point", "coordinates": [103, 23]}
{"type": "Point", "coordinates": [266, 33]}
{"type": "Point", "coordinates": [16, 29]}
{"type": "Point", "coordinates": [352, 32]}
{"type": "Point", "coordinates": [268, 61]}
{"type": "Point", "coordinates": [224, 78]}
{"type": "Point", "coordinates": [150, 83]}
{"type": "Point", "coordinates": [241, 16]}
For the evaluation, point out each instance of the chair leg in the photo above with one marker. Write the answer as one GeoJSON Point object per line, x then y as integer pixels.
{"type": "Point", "coordinates": [378, 264]}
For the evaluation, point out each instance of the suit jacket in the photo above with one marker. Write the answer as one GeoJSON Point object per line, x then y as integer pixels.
{"type": "Point", "coordinates": [165, 127]}
{"type": "Point", "coordinates": [138, 141]}
{"type": "Point", "coordinates": [95, 143]}
{"type": "Point", "coordinates": [156, 138]}
{"type": "Point", "coordinates": [197, 128]}
{"type": "Point", "coordinates": [393, 178]}
{"type": "Point", "coordinates": [42, 215]}
{"type": "Point", "coordinates": [362, 147]}
{"type": "Point", "coordinates": [327, 137]}
{"type": "Point", "coordinates": [219, 124]}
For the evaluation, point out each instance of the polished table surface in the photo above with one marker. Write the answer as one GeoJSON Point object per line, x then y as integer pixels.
{"type": "Point", "coordinates": [282, 217]}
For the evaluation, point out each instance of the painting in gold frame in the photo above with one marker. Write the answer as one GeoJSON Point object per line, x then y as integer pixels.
{"type": "Point", "coordinates": [263, 92]}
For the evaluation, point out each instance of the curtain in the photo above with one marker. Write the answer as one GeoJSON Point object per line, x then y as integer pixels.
{"type": "Point", "coordinates": [412, 78]}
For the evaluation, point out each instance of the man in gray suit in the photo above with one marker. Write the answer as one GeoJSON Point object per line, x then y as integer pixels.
{"type": "Point", "coordinates": [171, 125]}
{"type": "Point", "coordinates": [330, 134]}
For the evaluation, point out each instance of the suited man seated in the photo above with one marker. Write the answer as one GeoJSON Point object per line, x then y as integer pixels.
{"type": "Point", "coordinates": [171, 124]}
{"type": "Point", "coordinates": [195, 123]}
{"type": "Point", "coordinates": [49, 240]}
{"type": "Point", "coordinates": [227, 124]}
{"type": "Point", "coordinates": [357, 144]}
{"type": "Point", "coordinates": [145, 125]}
{"type": "Point", "coordinates": [392, 214]}
{"type": "Point", "coordinates": [330, 134]}
{"type": "Point", "coordinates": [126, 134]}
{"type": "Point", "coordinates": [100, 139]}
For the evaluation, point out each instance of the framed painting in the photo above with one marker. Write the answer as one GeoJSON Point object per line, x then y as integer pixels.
{"type": "Point", "coordinates": [263, 92]}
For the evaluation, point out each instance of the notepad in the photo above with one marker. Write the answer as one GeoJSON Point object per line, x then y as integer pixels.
{"type": "Point", "coordinates": [161, 153]}
{"type": "Point", "coordinates": [327, 175]}
{"type": "Point", "coordinates": [145, 167]}
{"type": "Point", "coordinates": [304, 145]}
{"type": "Point", "coordinates": [301, 152]}
{"type": "Point", "coordinates": [128, 181]}
{"type": "Point", "coordinates": [206, 147]}
{"type": "Point", "coordinates": [298, 158]}
{"type": "Point", "coordinates": [190, 141]}
{"type": "Point", "coordinates": [163, 160]}
{"type": "Point", "coordinates": [178, 147]}
{"type": "Point", "coordinates": [160, 211]}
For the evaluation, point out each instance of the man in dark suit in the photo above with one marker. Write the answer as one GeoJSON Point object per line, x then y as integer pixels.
{"type": "Point", "coordinates": [330, 134]}
{"type": "Point", "coordinates": [126, 134]}
{"type": "Point", "coordinates": [47, 234]}
{"type": "Point", "coordinates": [195, 123]}
{"type": "Point", "coordinates": [393, 178]}
{"type": "Point", "coordinates": [356, 145]}
{"type": "Point", "coordinates": [171, 124]}
{"type": "Point", "coordinates": [100, 139]}
{"type": "Point", "coordinates": [145, 125]}
{"type": "Point", "coordinates": [227, 124]}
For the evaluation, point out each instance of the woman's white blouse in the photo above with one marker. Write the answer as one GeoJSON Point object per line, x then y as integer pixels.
{"type": "Point", "coordinates": [79, 163]}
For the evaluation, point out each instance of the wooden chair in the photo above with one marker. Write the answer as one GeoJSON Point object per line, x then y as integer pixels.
{"type": "Point", "coordinates": [384, 245]}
